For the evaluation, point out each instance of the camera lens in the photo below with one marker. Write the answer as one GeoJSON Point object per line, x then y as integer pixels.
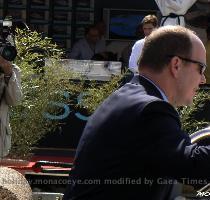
{"type": "Point", "coordinates": [9, 53]}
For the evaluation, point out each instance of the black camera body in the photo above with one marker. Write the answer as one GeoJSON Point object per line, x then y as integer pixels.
{"type": "Point", "coordinates": [7, 40]}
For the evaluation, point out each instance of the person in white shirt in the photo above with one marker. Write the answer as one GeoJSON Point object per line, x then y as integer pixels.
{"type": "Point", "coordinates": [149, 23]}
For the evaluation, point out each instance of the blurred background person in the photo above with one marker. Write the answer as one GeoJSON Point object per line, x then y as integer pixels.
{"type": "Point", "coordinates": [85, 48]}
{"type": "Point", "coordinates": [149, 23]}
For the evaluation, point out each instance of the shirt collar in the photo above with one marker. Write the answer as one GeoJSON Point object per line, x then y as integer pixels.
{"type": "Point", "coordinates": [161, 91]}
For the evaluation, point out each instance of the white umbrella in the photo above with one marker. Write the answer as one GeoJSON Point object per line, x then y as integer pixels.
{"type": "Point", "coordinates": [173, 11]}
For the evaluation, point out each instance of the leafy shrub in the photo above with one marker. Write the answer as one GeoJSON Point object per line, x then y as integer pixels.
{"type": "Point", "coordinates": [193, 118]}
{"type": "Point", "coordinates": [40, 85]}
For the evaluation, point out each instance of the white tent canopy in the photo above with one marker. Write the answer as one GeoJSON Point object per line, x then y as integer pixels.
{"type": "Point", "coordinates": [173, 10]}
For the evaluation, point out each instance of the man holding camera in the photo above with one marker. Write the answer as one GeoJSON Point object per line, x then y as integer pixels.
{"type": "Point", "coordinates": [10, 94]}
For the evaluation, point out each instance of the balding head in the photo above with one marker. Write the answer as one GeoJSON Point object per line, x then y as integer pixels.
{"type": "Point", "coordinates": [174, 58]}
{"type": "Point", "coordinates": [165, 41]}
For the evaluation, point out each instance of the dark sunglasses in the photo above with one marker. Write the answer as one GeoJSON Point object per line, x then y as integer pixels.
{"type": "Point", "coordinates": [202, 65]}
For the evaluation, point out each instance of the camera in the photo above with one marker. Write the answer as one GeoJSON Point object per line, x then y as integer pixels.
{"type": "Point", "coordinates": [7, 40]}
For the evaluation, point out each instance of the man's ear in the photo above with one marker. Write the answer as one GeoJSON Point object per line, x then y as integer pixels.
{"type": "Point", "coordinates": [175, 66]}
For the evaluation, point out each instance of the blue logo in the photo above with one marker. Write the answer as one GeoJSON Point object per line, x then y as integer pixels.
{"type": "Point", "coordinates": [66, 108]}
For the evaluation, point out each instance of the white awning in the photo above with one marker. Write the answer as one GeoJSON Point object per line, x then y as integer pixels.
{"type": "Point", "coordinates": [173, 10]}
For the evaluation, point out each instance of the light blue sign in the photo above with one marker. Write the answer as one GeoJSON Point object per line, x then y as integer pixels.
{"type": "Point", "coordinates": [66, 109]}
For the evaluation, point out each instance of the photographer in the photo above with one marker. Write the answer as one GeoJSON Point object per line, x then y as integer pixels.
{"type": "Point", "coordinates": [10, 94]}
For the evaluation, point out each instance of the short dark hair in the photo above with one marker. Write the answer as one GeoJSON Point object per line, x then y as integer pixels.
{"type": "Point", "coordinates": [164, 41]}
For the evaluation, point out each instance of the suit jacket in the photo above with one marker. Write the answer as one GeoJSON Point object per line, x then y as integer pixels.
{"type": "Point", "coordinates": [133, 148]}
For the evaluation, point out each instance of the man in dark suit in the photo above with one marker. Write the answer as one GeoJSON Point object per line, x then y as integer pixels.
{"type": "Point", "coordinates": [132, 146]}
